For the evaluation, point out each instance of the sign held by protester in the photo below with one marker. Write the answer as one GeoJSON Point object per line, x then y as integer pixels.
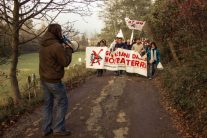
{"type": "Point", "coordinates": [121, 59]}
{"type": "Point", "coordinates": [135, 24]}
{"type": "Point", "coordinates": [95, 57]}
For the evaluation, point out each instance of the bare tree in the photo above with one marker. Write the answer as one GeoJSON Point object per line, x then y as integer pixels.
{"type": "Point", "coordinates": [69, 29]}
{"type": "Point", "coordinates": [15, 14]}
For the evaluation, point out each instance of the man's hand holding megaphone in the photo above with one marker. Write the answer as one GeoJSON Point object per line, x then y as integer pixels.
{"type": "Point", "coordinates": [72, 44]}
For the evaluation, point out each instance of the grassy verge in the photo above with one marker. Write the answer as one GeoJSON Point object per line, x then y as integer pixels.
{"type": "Point", "coordinates": [27, 65]}
{"type": "Point", "coordinates": [186, 89]}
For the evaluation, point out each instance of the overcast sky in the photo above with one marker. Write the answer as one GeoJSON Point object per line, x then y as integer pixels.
{"type": "Point", "coordinates": [87, 24]}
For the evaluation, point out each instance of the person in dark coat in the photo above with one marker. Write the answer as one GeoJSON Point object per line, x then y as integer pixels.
{"type": "Point", "coordinates": [146, 45]}
{"type": "Point", "coordinates": [129, 47]}
{"type": "Point", "coordinates": [153, 58]}
{"type": "Point", "coordinates": [120, 44]}
{"type": "Point", "coordinates": [53, 57]}
{"type": "Point", "coordinates": [99, 72]}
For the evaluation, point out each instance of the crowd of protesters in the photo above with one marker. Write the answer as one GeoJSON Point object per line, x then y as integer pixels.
{"type": "Point", "coordinates": [144, 47]}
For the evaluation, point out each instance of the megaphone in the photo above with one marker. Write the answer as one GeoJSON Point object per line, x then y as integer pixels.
{"type": "Point", "coordinates": [73, 44]}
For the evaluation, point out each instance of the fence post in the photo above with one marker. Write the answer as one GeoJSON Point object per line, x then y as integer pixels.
{"type": "Point", "coordinates": [29, 81]}
{"type": "Point", "coordinates": [34, 84]}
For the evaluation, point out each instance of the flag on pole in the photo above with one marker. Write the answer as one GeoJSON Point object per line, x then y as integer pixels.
{"type": "Point", "coordinates": [120, 34]}
{"type": "Point", "coordinates": [135, 24]}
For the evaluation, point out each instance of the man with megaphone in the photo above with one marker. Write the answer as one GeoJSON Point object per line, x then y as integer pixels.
{"type": "Point", "coordinates": [55, 54]}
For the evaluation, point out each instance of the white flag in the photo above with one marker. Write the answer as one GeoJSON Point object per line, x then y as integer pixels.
{"type": "Point", "coordinates": [120, 34]}
{"type": "Point", "coordinates": [132, 36]}
{"type": "Point", "coordinates": [135, 24]}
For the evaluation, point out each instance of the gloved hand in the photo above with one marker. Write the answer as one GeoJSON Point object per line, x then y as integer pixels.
{"type": "Point", "coordinates": [73, 44]}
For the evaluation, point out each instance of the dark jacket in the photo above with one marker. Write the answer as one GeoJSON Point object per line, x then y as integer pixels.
{"type": "Point", "coordinates": [53, 58]}
{"type": "Point", "coordinates": [129, 47]}
{"type": "Point", "coordinates": [120, 45]}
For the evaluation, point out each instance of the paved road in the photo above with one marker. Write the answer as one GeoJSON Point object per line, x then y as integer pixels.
{"type": "Point", "coordinates": [108, 107]}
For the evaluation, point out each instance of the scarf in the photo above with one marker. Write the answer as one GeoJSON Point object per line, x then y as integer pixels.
{"type": "Point", "coordinates": [153, 55]}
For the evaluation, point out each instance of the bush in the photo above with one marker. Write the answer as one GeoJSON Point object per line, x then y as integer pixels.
{"type": "Point", "coordinates": [182, 23]}
{"type": "Point", "coordinates": [187, 87]}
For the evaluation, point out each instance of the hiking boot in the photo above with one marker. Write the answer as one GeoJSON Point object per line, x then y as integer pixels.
{"type": "Point", "coordinates": [116, 74]}
{"type": "Point", "coordinates": [62, 133]}
{"type": "Point", "coordinates": [48, 133]}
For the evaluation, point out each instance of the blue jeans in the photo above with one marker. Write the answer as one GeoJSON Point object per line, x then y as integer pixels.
{"type": "Point", "coordinates": [152, 68]}
{"type": "Point", "coordinates": [54, 91]}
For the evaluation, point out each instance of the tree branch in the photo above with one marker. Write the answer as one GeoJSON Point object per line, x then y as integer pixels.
{"type": "Point", "coordinates": [29, 11]}
{"type": "Point", "coordinates": [36, 36]}
{"type": "Point", "coordinates": [35, 14]}
{"type": "Point", "coordinates": [24, 2]}
{"type": "Point", "coordinates": [6, 17]}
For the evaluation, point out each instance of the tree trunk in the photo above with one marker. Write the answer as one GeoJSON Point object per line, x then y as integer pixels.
{"type": "Point", "coordinates": [13, 70]}
{"type": "Point", "coordinates": [14, 44]}
{"type": "Point", "coordinates": [172, 49]}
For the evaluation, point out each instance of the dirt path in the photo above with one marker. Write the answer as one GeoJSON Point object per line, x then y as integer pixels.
{"type": "Point", "coordinates": [108, 107]}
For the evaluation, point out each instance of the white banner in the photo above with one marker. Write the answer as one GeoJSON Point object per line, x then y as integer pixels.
{"type": "Point", "coordinates": [134, 24]}
{"type": "Point", "coordinates": [121, 59]}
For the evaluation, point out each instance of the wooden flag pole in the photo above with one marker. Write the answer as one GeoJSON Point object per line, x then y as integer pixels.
{"type": "Point", "coordinates": [132, 36]}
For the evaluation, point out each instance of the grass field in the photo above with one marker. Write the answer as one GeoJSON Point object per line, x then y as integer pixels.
{"type": "Point", "coordinates": [28, 64]}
